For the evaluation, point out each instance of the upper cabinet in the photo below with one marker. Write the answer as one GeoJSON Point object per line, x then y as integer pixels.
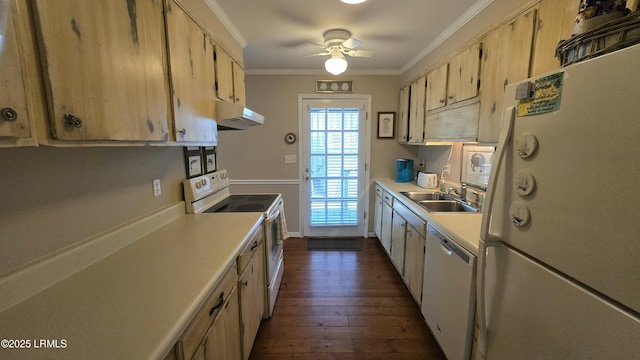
{"type": "Point", "coordinates": [14, 112]}
{"type": "Point", "coordinates": [506, 59]}
{"type": "Point", "coordinates": [464, 69]}
{"type": "Point", "coordinates": [229, 78]}
{"type": "Point", "coordinates": [104, 67]}
{"type": "Point", "coordinates": [412, 110]}
{"type": "Point", "coordinates": [437, 87]}
{"type": "Point", "coordinates": [555, 23]}
{"type": "Point", "coordinates": [452, 104]}
{"type": "Point", "coordinates": [192, 77]}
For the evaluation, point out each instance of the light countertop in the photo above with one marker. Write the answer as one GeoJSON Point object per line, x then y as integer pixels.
{"type": "Point", "coordinates": [462, 227]}
{"type": "Point", "coordinates": [135, 303]}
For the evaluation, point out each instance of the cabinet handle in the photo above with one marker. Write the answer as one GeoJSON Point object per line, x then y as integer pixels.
{"type": "Point", "coordinates": [8, 114]}
{"type": "Point", "coordinates": [218, 305]}
{"type": "Point", "coordinates": [183, 132]}
{"type": "Point", "coordinates": [244, 283]}
{"type": "Point", "coordinates": [441, 101]}
{"type": "Point", "coordinates": [73, 120]}
{"type": "Point", "coordinates": [255, 245]}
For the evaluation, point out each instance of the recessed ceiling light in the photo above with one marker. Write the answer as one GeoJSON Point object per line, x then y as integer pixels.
{"type": "Point", "coordinates": [353, 1]}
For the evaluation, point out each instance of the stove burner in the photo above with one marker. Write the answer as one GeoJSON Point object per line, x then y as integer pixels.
{"type": "Point", "coordinates": [250, 207]}
{"type": "Point", "coordinates": [245, 203]}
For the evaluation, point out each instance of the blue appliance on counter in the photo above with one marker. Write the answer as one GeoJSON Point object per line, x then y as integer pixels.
{"type": "Point", "coordinates": [404, 170]}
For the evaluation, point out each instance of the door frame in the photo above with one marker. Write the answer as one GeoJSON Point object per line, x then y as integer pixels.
{"type": "Point", "coordinates": [304, 141]}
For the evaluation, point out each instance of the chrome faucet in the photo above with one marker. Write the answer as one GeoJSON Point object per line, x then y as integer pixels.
{"type": "Point", "coordinates": [453, 191]}
{"type": "Point", "coordinates": [463, 192]}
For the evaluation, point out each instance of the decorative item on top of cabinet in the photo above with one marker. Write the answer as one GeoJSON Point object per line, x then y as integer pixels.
{"type": "Point", "coordinates": [104, 66]}
{"type": "Point", "coordinates": [14, 111]}
{"type": "Point", "coordinates": [506, 59]}
{"type": "Point", "coordinates": [192, 77]}
{"type": "Point", "coordinates": [229, 78]}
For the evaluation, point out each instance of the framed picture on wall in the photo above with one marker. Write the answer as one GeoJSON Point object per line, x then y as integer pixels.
{"type": "Point", "coordinates": [193, 161]}
{"type": "Point", "coordinates": [209, 157]}
{"type": "Point", "coordinates": [386, 125]}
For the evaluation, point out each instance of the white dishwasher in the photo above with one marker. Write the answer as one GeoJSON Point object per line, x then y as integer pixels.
{"type": "Point", "coordinates": [448, 299]}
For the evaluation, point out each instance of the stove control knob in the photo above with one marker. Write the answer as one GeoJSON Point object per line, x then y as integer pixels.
{"type": "Point", "coordinates": [203, 182]}
{"type": "Point", "coordinates": [526, 145]}
{"type": "Point", "coordinates": [198, 185]}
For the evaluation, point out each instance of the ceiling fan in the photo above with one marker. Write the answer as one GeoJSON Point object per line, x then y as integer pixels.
{"type": "Point", "coordinates": [337, 44]}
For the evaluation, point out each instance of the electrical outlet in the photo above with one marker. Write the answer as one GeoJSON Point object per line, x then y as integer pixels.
{"type": "Point", "coordinates": [290, 159]}
{"type": "Point", "coordinates": [157, 189]}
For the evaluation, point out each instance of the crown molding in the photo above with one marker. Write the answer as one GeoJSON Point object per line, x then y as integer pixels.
{"type": "Point", "coordinates": [452, 29]}
{"type": "Point", "coordinates": [224, 19]}
{"type": "Point", "coordinates": [322, 72]}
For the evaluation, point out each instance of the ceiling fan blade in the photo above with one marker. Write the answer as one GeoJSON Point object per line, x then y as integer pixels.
{"type": "Point", "coordinates": [360, 53]}
{"type": "Point", "coordinates": [352, 43]}
{"type": "Point", "coordinates": [319, 54]}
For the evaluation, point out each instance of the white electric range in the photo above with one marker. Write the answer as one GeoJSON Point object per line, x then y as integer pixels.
{"type": "Point", "coordinates": [208, 194]}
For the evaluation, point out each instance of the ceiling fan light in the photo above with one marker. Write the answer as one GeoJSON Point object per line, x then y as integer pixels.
{"type": "Point", "coordinates": [353, 1]}
{"type": "Point", "coordinates": [336, 65]}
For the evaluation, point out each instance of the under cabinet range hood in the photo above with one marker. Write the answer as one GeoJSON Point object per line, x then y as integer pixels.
{"type": "Point", "coordinates": [232, 116]}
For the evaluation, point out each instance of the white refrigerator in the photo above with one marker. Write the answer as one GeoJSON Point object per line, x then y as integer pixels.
{"type": "Point", "coordinates": [559, 260]}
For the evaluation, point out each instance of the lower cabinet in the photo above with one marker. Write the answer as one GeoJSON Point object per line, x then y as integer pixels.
{"type": "Point", "coordinates": [414, 258]}
{"type": "Point", "coordinates": [199, 340]}
{"type": "Point", "coordinates": [251, 271]}
{"type": "Point", "coordinates": [223, 338]}
{"type": "Point", "coordinates": [385, 227]}
{"type": "Point", "coordinates": [398, 230]}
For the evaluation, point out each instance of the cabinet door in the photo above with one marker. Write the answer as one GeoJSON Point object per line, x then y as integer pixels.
{"type": "Point", "coordinates": [223, 341]}
{"type": "Point", "coordinates": [464, 69]}
{"type": "Point", "coordinates": [403, 119]}
{"type": "Point", "coordinates": [224, 75]}
{"type": "Point", "coordinates": [506, 59]}
{"type": "Point", "coordinates": [398, 231]}
{"type": "Point", "coordinates": [104, 64]}
{"type": "Point", "coordinates": [252, 292]}
{"type": "Point", "coordinates": [416, 117]}
{"type": "Point", "coordinates": [555, 23]}
{"type": "Point", "coordinates": [414, 262]}
{"type": "Point", "coordinates": [192, 77]}
{"type": "Point", "coordinates": [385, 228]}
{"type": "Point", "coordinates": [377, 217]}
{"type": "Point", "coordinates": [14, 116]}
{"type": "Point", "coordinates": [437, 87]}
{"type": "Point", "coordinates": [238, 84]}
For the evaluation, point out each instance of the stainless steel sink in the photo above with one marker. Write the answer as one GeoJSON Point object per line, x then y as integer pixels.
{"type": "Point", "coordinates": [438, 202]}
{"type": "Point", "coordinates": [446, 206]}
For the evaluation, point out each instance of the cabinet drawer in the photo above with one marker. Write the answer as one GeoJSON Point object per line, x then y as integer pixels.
{"type": "Point", "coordinates": [388, 198]}
{"type": "Point", "coordinates": [250, 249]}
{"type": "Point", "coordinates": [379, 190]}
{"type": "Point", "coordinates": [197, 330]}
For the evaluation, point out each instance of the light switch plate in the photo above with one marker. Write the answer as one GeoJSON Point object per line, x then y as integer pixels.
{"type": "Point", "coordinates": [290, 159]}
{"type": "Point", "coordinates": [157, 189]}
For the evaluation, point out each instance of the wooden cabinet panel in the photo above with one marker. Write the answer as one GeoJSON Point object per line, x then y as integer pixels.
{"type": "Point", "coordinates": [403, 112]}
{"type": "Point", "coordinates": [506, 59]}
{"type": "Point", "coordinates": [377, 217]}
{"type": "Point", "coordinates": [398, 230]}
{"type": "Point", "coordinates": [414, 261]}
{"type": "Point", "coordinates": [555, 23]}
{"type": "Point", "coordinates": [192, 77]}
{"type": "Point", "coordinates": [14, 114]}
{"type": "Point", "coordinates": [223, 340]}
{"type": "Point", "coordinates": [224, 75]}
{"type": "Point", "coordinates": [416, 117]}
{"type": "Point", "coordinates": [104, 65]}
{"type": "Point", "coordinates": [251, 291]}
{"type": "Point", "coordinates": [385, 227]}
{"type": "Point", "coordinates": [238, 84]}
{"type": "Point", "coordinates": [437, 87]}
{"type": "Point", "coordinates": [464, 69]}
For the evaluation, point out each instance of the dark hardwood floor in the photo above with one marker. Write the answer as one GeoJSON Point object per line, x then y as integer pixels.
{"type": "Point", "coordinates": [343, 305]}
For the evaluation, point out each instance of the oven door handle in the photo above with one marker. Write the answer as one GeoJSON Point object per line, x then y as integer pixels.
{"type": "Point", "coordinates": [273, 217]}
